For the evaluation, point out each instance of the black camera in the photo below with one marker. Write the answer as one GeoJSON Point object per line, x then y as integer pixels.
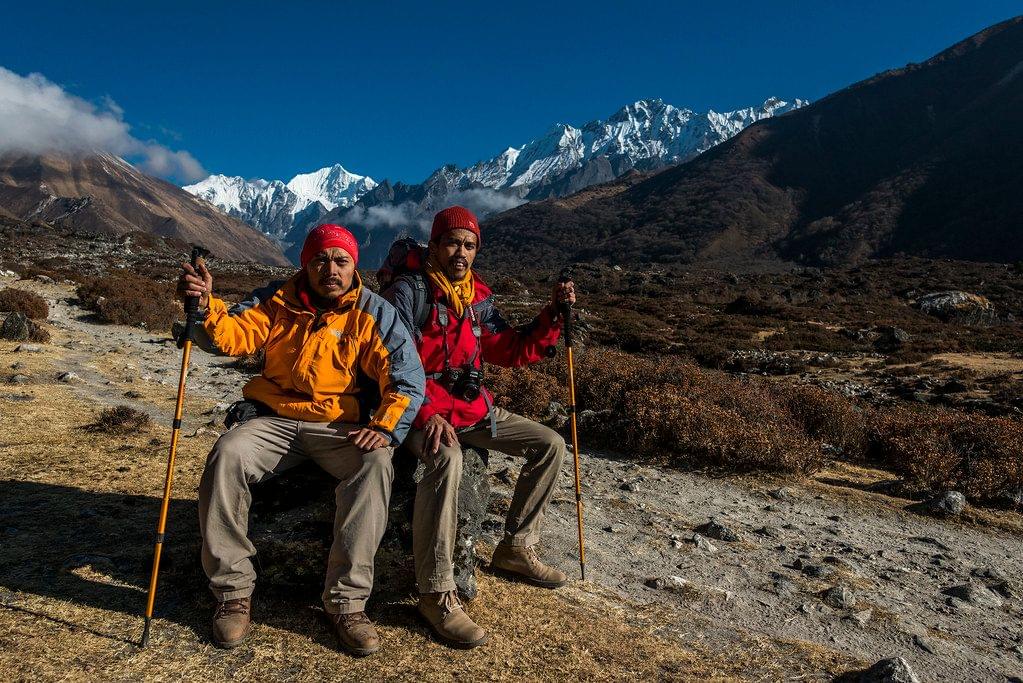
{"type": "Point", "coordinates": [466, 383]}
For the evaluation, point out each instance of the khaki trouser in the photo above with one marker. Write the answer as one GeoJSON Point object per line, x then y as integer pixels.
{"type": "Point", "coordinates": [262, 447]}
{"type": "Point", "coordinates": [435, 516]}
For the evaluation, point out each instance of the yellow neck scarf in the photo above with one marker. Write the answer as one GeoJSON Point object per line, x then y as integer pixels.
{"type": "Point", "coordinates": [459, 293]}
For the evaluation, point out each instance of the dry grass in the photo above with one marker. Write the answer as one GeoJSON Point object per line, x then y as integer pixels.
{"type": "Point", "coordinates": [666, 409]}
{"type": "Point", "coordinates": [121, 420]}
{"type": "Point", "coordinates": [78, 511]}
{"type": "Point", "coordinates": [22, 301]}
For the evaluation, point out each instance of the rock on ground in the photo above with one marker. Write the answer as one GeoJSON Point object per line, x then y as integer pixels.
{"type": "Point", "coordinates": [293, 519]}
{"type": "Point", "coordinates": [958, 307]}
{"type": "Point", "coordinates": [895, 670]}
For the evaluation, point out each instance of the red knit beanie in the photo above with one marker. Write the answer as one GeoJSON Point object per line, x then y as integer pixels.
{"type": "Point", "coordinates": [453, 218]}
{"type": "Point", "coordinates": [326, 236]}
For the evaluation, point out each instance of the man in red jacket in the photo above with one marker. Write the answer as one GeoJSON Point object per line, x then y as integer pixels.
{"type": "Point", "coordinates": [462, 330]}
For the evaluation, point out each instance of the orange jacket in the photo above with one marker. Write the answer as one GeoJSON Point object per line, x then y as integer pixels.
{"type": "Point", "coordinates": [313, 363]}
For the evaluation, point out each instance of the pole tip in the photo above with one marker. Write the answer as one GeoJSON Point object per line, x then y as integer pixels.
{"type": "Point", "coordinates": [145, 634]}
{"type": "Point", "coordinates": [582, 570]}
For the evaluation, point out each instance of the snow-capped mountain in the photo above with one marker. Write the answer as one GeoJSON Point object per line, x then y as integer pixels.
{"type": "Point", "coordinates": [645, 135]}
{"type": "Point", "coordinates": [273, 206]}
{"type": "Point", "coordinates": [332, 187]}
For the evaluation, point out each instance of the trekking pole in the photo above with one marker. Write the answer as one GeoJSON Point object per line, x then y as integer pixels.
{"type": "Point", "coordinates": [566, 314]}
{"type": "Point", "coordinates": [185, 344]}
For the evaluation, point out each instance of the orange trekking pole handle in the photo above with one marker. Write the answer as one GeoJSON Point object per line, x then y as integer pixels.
{"type": "Point", "coordinates": [566, 314]}
{"type": "Point", "coordinates": [184, 343]}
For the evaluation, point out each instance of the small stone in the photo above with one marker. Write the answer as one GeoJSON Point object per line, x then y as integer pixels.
{"type": "Point", "coordinates": [20, 379]}
{"type": "Point", "coordinates": [613, 529]}
{"type": "Point", "coordinates": [770, 532]}
{"type": "Point", "coordinates": [29, 348]}
{"type": "Point", "coordinates": [716, 530]}
{"type": "Point", "coordinates": [677, 545]}
{"type": "Point", "coordinates": [975, 594]}
{"type": "Point", "coordinates": [676, 582]}
{"type": "Point", "coordinates": [657, 583]}
{"type": "Point", "coordinates": [18, 397]}
{"type": "Point", "coordinates": [784, 493]}
{"type": "Point", "coordinates": [992, 573]}
{"type": "Point", "coordinates": [630, 486]}
{"type": "Point", "coordinates": [816, 571]}
{"type": "Point", "coordinates": [895, 670]}
{"type": "Point", "coordinates": [946, 504]}
{"type": "Point", "coordinates": [69, 377]}
{"type": "Point", "coordinates": [924, 644]}
{"type": "Point", "coordinates": [703, 544]}
{"type": "Point", "coordinates": [862, 617]}
{"type": "Point", "coordinates": [839, 597]}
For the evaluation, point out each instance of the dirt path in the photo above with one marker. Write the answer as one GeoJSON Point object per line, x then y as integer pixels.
{"type": "Point", "coordinates": [761, 595]}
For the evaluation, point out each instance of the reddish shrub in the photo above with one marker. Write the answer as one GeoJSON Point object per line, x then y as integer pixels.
{"type": "Point", "coordinates": [947, 449]}
{"type": "Point", "coordinates": [22, 301]}
{"type": "Point", "coordinates": [128, 299]}
{"type": "Point", "coordinates": [827, 416]}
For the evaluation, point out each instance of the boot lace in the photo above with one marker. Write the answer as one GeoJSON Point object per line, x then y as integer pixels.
{"type": "Point", "coordinates": [449, 602]}
{"type": "Point", "coordinates": [229, 607]}
{"type": "Point", "coordinates": [353, 619]}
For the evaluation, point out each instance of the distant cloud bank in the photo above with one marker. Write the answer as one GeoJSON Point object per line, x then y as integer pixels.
{"type": "Point", "coordinates": [39, 116]}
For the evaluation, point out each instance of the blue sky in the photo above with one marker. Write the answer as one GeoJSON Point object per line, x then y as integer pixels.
{"type": "Point", "coordinates": [394, 90]}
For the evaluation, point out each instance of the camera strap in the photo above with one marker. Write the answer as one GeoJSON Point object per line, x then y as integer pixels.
{"type": "Point", "coordinates": [443, 319]}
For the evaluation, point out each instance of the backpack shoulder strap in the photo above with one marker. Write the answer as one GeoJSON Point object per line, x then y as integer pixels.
{"type": "Point", "coordinates": [420, 299]}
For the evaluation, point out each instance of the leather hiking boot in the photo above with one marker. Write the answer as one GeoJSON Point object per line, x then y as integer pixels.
{"type": "Point", "coordinates": [449, 621]}
{"type": "Point", "coordinates": [232, 622]}
{"type": "Point", "coordinates": [522, 563]}
{"type": "Point", "coordinates": [356, 633]}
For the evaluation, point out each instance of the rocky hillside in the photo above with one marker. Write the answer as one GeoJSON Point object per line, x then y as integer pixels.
{"type": "Point", "coordinates": [104, 194]}
{"type": "Point", "coordinates": [917, 160]}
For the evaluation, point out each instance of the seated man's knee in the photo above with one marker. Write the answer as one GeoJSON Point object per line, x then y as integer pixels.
{"type": "Point", "coordinates": [448, 459]}
{"type": "Point", "coordinates": [379, 463]}
{"type": "Point", "coordinates": [229, 452]}
{"type": "Point", "coordinates": [554, 442]}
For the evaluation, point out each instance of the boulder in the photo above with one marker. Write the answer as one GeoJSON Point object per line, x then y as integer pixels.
{"type": "Point", "coordinates": [958, 307]}
{"type": "Point", "coordinates": [293, 518]}
{"type": "Point", "coordinates": [894, 670]}
{"type": "Point", "coordinates": [944, 504]}
{"type": "Point", "coordinates": [15, 327]}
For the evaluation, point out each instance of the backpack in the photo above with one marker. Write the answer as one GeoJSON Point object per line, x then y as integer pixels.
{"type": "Point", "coordinates": [405, 258]}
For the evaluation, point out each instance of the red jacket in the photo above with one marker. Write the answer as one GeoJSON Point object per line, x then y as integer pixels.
{"type": "Point", "coordinates": [499, 343]}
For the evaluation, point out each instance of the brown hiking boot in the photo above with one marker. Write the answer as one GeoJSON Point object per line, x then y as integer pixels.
{"type": "Point", "coordinates": [356, 633]}
{"type": "Point", "coordinates": [522, 563]}
{"type": "Point", "coordinates": [449, 621]}
{"type": "Point", "coordinates": [232, 622]}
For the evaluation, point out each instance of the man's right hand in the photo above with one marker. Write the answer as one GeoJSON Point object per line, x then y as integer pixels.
{"type": "Point", "coordinates": [195, 282]}
{"type": "Point", "coordinates": [437, 431]}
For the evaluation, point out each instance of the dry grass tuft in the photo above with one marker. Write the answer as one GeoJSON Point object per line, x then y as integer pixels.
{"type": "Point", "coordinates": [121, 420]}
{"type": "Point", "coordinates": [21, 301]}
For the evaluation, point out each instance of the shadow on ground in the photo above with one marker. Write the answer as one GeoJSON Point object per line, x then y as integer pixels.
{"type": "Point", "coordinates": [95, 549]}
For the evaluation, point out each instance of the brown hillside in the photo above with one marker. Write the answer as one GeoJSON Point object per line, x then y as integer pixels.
{"type": "Point", "coordinates": [104, 194]}
{"type": "Point", "coordinates": [920, 160]}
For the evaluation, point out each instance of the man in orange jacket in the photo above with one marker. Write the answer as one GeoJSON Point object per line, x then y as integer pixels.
{"type": "Point", "coordinates": [319, 332]}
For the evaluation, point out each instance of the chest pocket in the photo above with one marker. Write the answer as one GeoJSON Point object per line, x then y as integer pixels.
{"type": "Point", "coordinates": [332, 363]}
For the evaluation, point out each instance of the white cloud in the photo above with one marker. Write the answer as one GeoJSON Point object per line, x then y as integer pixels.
{"type": "Point", "coordinates": [38, 116]}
